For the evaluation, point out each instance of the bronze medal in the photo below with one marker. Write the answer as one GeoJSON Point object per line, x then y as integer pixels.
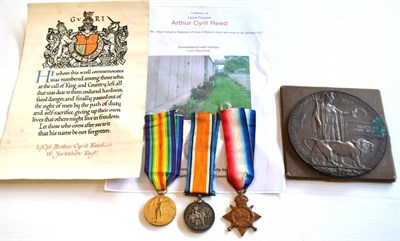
{"type": "Point", "coordinates": [160, 210]}
{"type": "Point", "coordinates": [163, 135]}
{"type": "Point", "coordinates": [239, 134]}
{"type": "Point", "coordinates": [241, 216]}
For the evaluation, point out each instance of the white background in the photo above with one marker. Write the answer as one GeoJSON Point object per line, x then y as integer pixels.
{"type": "Point", "coordinates": [339, 43]}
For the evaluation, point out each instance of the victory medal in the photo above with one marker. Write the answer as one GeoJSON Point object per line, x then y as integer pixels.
{"type": "Point", "coordinates": [163, 151]}
{"type": "Point", "coordinates": [160, 210]}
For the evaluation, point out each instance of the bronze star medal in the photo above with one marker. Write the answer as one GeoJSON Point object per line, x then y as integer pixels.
{"type": "Point", "coordinates": [241, 216]}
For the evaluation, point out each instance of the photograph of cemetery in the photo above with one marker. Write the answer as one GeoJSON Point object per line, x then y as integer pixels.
{"type": "Point", "coordinates": [197, 83]}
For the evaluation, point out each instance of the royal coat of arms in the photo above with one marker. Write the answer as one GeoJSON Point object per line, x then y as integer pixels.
{"type": "Point", "coordinates": [86, 47]}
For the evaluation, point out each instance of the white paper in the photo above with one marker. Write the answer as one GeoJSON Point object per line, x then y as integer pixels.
{"type": "Point", "coordinates": [72, 114]}
{"type": "Point", "coordinates": [216, 32]}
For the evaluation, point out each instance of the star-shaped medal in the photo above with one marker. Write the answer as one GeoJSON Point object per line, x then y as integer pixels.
{"type": "Point", "coordinates": [241, 216]}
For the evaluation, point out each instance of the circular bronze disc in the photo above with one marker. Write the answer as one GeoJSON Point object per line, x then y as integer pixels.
{"type": "Point", "coordinates": [199, 216]}
{"type": "Point", "coordinates": [337, 133]}
{"type": "Point", "coordinates": [160, 210]}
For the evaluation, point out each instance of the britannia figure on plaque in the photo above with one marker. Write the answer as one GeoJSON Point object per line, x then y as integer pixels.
{"type": "Point", "coordinates": [327, 118]}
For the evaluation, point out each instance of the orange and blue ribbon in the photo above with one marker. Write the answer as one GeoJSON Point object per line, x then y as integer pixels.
{"type": "Point", "coordinates": [201, 155]}
{"type": "Point", "coordinates": [239, 128]}
{"type": "Point", "coordinates": [163, 148]}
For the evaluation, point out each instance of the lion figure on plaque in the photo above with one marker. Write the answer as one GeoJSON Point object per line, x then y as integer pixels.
{"type": "Point", "coordinates": [335, 151]}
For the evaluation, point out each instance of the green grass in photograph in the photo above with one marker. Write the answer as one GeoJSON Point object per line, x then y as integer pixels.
{"type": "Point", "coordinates": [209, 96]}
{"type": "Point", "coordinates": [226, 90]}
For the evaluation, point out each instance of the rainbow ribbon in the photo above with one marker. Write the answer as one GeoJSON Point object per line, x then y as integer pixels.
{"type": "Point", "coordinates": [163, 148]}
{"type": "Point", "coordinates": [201, 156]}
{"type": "Point", "coordinates": [239, 128]}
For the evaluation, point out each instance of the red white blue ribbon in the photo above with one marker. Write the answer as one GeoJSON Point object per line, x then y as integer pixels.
{"type": "Point", "coordinates": [239, 128]}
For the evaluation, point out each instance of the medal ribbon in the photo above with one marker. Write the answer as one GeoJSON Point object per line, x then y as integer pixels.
{"type": "Point", "coordinates": [163, 148]}
{"type": "Point", "coordinates": [201, 155]}
{"type": "Point", "coordinates": [239, 126]}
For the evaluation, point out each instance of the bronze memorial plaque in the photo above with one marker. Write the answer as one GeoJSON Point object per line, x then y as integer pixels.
{"type": "Point", "coordinates": [332, 133]}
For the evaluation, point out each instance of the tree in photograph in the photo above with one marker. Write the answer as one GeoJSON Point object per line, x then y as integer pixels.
{"type": "Point", "coordinates": [237, 64]}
